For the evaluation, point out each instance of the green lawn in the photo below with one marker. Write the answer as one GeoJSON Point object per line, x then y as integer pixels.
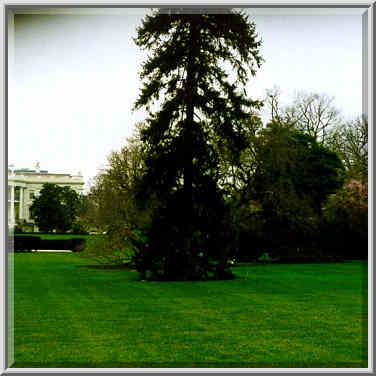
{"type": "Point", "coordinates": [67, 314]}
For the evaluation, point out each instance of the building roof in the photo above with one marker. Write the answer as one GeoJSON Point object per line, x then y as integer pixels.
{"type": "Point", "coordinates": [36, 176]}
{"type": "Point", "coordinates": [28, 171]}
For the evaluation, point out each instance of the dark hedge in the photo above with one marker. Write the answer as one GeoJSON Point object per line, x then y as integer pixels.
{"type": "Point", "coordinates": [29, 243]}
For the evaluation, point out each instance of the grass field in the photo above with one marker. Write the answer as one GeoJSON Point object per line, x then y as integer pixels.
{"type": "Point", "coordinates": [71, 314]}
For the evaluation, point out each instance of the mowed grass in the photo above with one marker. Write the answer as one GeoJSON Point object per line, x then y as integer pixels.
{"type": "Point", "coordinates": [67, 314]}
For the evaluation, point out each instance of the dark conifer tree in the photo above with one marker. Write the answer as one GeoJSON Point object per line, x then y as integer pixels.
{"type": "Point", "coordinates": [195, 77]}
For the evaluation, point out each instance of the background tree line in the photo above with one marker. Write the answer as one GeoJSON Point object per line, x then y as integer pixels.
{"type": "Point", "coordinates": [282, 174]}
{"type": "Point", "coordinates": [205, 180]}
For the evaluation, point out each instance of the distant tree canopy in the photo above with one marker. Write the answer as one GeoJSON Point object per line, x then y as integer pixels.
{"type": "Point", "coordinates": [56, 208]}
{"type": "Point", "coordinates": [316, 115]}
{"type": "Point", "coordinates": [199, 124]}
{"type": "Point", "coordinates": [291, 175]}
{"type": "Point", "coordinates": [350, 141]}
{"type": "Point", "coordinates": [111, 197]}
{"type": "Point", "coordinates": [294, 171]}
{"type": "Point", "coordinates": [311, 113]}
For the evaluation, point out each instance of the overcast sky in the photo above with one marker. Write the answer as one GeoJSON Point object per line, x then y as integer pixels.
{"type": "Point", "coordinates": [76, 79]}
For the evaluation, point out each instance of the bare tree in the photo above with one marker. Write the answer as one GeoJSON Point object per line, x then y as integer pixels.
{"type": "Point", "coordinates": [350, 141]}
{"type": "Point", "coordinates": [272, 101]}
{"type": "Point", "coordinates": [312, 113]}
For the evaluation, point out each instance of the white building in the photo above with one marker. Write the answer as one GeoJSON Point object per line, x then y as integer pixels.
{"type": "Point", "coordinates": [25, 184]}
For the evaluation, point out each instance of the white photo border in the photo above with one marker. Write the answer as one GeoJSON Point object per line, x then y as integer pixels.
{"type": "Point", "coordinates": [88, 6]}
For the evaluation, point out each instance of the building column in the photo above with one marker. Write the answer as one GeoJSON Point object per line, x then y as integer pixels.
{"type": "Point", "coordinates": [21, 202]}
{"type": "Point", "coordinates": [12, 220]}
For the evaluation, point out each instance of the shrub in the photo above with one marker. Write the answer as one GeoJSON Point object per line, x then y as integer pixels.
{"type": "Point", "coordinates": [252, 238]}
{"type": "Point", "coordinates": [117, 247]}
{"type": "Point", "coordinates": [265, 258]}
{"type": "Point", "coordinates": [78, 227]}
{"type": "Point", "coordinates": [289, 255]}
{"type": "Point", "coordinates": [263, 230]}
{"type": "Point", "coordinates": [345, 221]}
{"type": "Point", "coordinates": [78, 244]}
{"type": "Point", "coordinates": [26, 243]}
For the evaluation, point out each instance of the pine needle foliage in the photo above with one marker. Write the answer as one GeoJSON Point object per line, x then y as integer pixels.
{"type": "Point", "coordinates": [194, 92]}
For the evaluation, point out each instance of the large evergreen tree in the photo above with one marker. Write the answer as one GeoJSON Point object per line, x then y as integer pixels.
{"type": "Point", "coordinates": [194, 92]}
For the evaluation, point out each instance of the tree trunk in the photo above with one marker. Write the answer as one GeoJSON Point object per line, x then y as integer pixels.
{"type": "Point", "coordinates": [191, 88]}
